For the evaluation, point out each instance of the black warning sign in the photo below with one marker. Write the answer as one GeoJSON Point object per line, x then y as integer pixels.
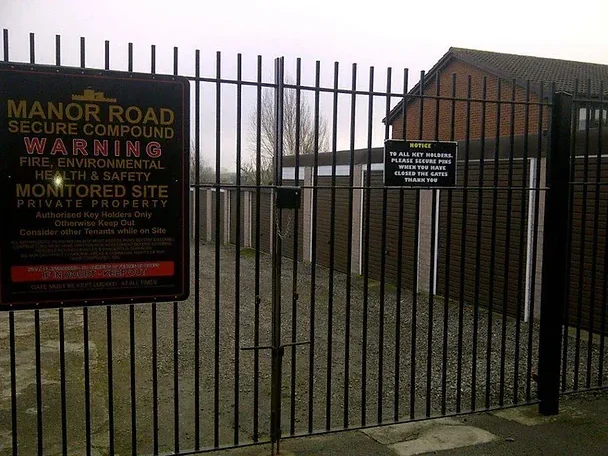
{"type": "Point", "coordinates": [94, 177]}
{"type": "Point", "coordinates": [420, 163]}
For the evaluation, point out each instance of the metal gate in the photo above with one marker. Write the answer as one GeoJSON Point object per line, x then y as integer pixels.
{"type": "Point", "coordinates": [284, 334]}
{"type": "Point", "coordinates": [583, 349]}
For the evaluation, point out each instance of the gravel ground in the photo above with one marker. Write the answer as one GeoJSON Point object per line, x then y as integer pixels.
{"type": "Point", "coordinates": [377, 385]}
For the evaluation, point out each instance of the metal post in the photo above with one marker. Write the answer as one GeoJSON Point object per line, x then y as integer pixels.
{"type": "Point", "coordinates": [277, 350]}
{"type": "Point", "coordinates": [553, 296]}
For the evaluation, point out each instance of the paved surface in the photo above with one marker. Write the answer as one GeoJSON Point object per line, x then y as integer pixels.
{"type": "Point", "coordinates": [393, 380]}
{"type": "Point", "coordinates": [580, 429]}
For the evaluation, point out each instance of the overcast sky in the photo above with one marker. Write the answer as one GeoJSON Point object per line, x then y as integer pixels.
{"type": "Point", "coordinates": [387, 33]}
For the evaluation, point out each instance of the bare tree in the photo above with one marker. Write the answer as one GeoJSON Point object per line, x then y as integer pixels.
{"type": "Point", "coordinates": [291, 135]}
{"type": "Point", "coordinates": [207, 170]}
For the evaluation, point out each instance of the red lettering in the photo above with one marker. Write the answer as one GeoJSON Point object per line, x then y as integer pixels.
{"type": "Point", "coordinates": [58, 146]}
{"type": "Point", "coordinates": [133, 148]}
{"type": "Point", "coordinates": [153, 149]}
{"type": "Point", "coordinates": [100, 147]}
{"type": "Point", "coordinates": [34, 145]}
{"type": "Point", "coordinates": [79, 145]}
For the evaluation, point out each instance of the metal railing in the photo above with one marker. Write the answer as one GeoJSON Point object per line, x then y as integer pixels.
{"type": "Point", "coordinates": [436, 312]}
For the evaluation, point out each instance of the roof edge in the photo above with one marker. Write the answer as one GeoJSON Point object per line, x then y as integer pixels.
{"type": "Point", "coordinates": [451, 54]}
{"type": "Point", "coordinates": [440, 63]}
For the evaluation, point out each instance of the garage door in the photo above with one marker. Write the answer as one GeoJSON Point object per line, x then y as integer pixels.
{"type": "Point", "coordinates": [203, 218]}
{"type": "Point", "coordinates": [234, 226]}
{"type": "Point", "coordinates": [376, 225]}
{"type": "Point", "coordinates": [265, 218]}
{"type": "Point", "coordinates": [213, 213]}
{"type": "Point", "coordinates": [453, 252]}
{"type": "Point", "coordinates": [341, 227]}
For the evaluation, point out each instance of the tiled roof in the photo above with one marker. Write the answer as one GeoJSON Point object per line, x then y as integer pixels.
{"type": "Point", "coordinates": [522, 68]}
{"type": "Point", "coordinates": [536, 69]}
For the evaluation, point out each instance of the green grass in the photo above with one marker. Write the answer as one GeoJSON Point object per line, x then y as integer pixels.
{"type": "Point", "coordinates": [248, 253]}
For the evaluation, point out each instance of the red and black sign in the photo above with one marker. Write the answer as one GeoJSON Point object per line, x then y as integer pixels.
{"type": "Point", "coordinates": [94, 178]}
{"type": "Point", "coordinates": [420, 163]}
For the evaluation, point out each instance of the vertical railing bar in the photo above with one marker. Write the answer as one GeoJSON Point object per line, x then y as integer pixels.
{"type": "Point", "coordinates": [277, 166]}
{"type": "Point", "coordinates": [87, 381]}
{"type": "Point", "coordinates": [256, 336]}
{"type": "Point", "coordinates": [415, 266]}
{"type": "Point", "coordinates": [11, 323]}
{"type": "Point", "coordinates": [296, 234]}
{"type": "Point", "coordinates": [132, 334]}
{"type": "Point", "coordinates": [313, 265]}
{"type": "Point", "coordinates": [64, 430]}
{"type": "Point", "coordinates": [366, 249]}
{"type": "Point", "coordinates": [581, 257]}
{"type": "Point", "coordinates": [566, 338]}
{"type": "Point", "coordinates": [82, 52]}
{"type": "Point", "coordinates": [32, 48]}
{"type": "Point", "coordinates": [595, 237]}
{"type": "Point", "coordinates": [11, 317]}
{"type": "Point", "coordinates": [351, 183]}
{"type": "Point", "coordinates": [332, 239]}
{"type": "Point", "coordinates": [525, 195]}
{"type": "Point", "coordinates": [130, 57]}
{"type": "Point", "coordinates": [600, 369]}
{"type": "Point", "coordinates": [237, 260]}
{"type": "Point", "coordinates": [133, 383]}
{"type": "Point", "coordinates": [429, 362]}
{"type": "Point", "coordinates": [175, 332]}
{"type": "Point", "coordinates": [383, 249]}
{"type": "Point", "coordinates": [37, 324]}
{"type": "Point", "coordinates": [58, 50]}
{"type": "Point", "coordinates": [109, 325]}
{"type": "Point", "coordinates": [505, 295]}
{"type": "Point", "coordinates": [482, 156]}
{"type": "Point", "coordinates": [5, 44]}
{"type": "Point", "coordinates": [154, 324]}
{"type": "Point", "coordinates": [490, 329]}
{"type": "Point", "coordinates": [463, 241]}
{"type": "Point", "coordinates": [218, 227]}
{"type": "Point", "coordinates": [11, 326]}
{"type": "Point", "coordinates": [532, 298]}
{"type": "Point", "coordinates": [197, 247]}
{"type": "Point", "coordinates": [448, 242]}
{"type": "Point", "coordinates": [433, 252]}
{"type": "Point", "coordinates": [400, 262]}
{"type": "Point", "coordinates": [110, 379]}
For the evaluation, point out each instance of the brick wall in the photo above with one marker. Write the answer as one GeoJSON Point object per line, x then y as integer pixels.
{"type": "Point", "coordinates": [462, 71]}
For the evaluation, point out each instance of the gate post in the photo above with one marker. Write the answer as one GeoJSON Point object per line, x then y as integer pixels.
{"type": "Point", "coordinates": [277, 348]}
{"type": "Point", "coordinates": [553, 295]}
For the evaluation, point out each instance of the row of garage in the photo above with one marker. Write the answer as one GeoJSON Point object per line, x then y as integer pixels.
{"type": "Point", "coordinates": [480, 242]}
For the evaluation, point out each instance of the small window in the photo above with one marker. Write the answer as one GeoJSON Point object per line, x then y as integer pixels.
{"type": "Point", "coordinates": [594, 118]}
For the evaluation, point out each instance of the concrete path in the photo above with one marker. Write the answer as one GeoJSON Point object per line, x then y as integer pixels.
{"type": "Point", "coordinates": [581, 428]}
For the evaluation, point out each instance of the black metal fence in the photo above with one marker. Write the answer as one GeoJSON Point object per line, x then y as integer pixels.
{"type": "Point", "coordinates": [450, 326]}
{"type": "Point", "coordinates": [583, 354]}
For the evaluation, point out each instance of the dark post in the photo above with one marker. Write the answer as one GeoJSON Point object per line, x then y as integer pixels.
{"type": "Point", "coordinates": [553, 296]}
{"type": "Point", "coordinates": [277, 348]}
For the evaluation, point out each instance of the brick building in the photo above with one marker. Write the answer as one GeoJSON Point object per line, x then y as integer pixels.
{"type": "Point", "coordinates": [452, 73]}
{"type": "Point", "coordinates": [516, 133]}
